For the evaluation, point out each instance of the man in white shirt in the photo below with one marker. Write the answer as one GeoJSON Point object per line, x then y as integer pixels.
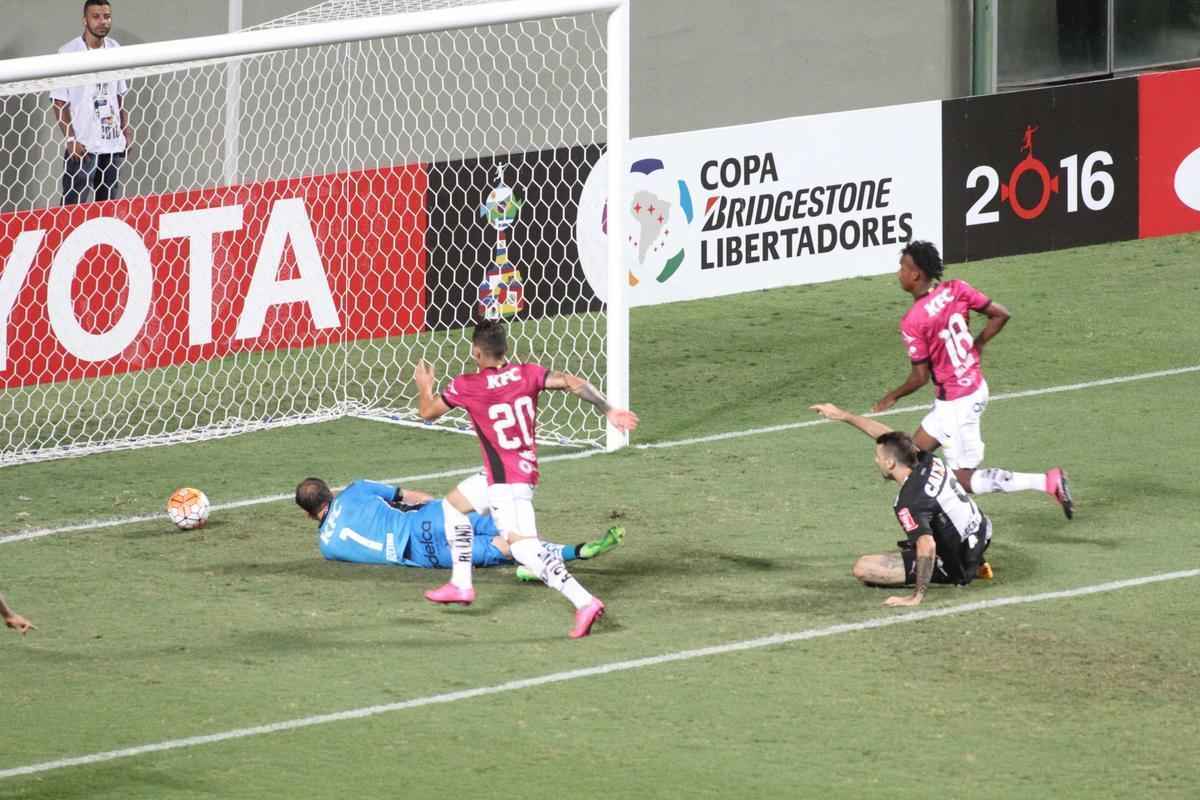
{"type": "Point", "coordinates": [93, 118]}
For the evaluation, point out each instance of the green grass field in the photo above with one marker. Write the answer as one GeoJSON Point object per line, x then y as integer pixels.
{"type": "Point", "coordinates": [150, 635]}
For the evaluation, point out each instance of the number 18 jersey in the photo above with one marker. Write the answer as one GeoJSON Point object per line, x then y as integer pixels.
{"type": "Point", "coordinates": [936, 329]}
{"type": "Point", "coordinates": [502, 404]}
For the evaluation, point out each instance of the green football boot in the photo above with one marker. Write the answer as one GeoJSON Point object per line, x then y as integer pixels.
{"type": "Point", "coordinates": [611, 538]}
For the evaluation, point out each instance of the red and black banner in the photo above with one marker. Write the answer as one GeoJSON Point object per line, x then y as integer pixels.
{"type": "Point", "coordinates": [121, 286]}
{"type": "Point", "coordinates": [1040, 170]}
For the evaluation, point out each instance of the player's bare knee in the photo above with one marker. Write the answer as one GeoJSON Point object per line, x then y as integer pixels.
{"type": "Point", "coordinates": [862, 568]}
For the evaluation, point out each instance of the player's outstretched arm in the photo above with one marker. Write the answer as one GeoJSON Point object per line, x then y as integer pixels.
{"type": "Point", "coordinates": [429, 405]}
{"type": "Point", "coordinates": [998, 317]}
{"type": "Point", "coordinates": [622, 419]}
{"type": "Point", "coordinates": [14, 620]}
{"type": "Point", "coordinates": [870, 427]}
{"type": "Point", "coordinates": [918, 377]}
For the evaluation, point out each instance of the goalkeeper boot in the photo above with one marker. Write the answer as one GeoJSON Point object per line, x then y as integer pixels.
{"type": "Point", "coordinates": [611, 538]}
{"type": "Point", "coordinates": [1058, 488]}
{"type": "Point", "coordinates": [586, 617]}
{"type": "Point", "coordinates": [449, 593]}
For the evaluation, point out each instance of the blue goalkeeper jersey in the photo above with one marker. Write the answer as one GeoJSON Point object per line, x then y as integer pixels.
{"type": "Point", "coordinates": [362, 526]}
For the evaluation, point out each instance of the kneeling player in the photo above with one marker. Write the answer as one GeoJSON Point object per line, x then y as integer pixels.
{"type": "Point", "coordinates": [373, 523]}
{"type": "Point", "coordinates": [947, 533]}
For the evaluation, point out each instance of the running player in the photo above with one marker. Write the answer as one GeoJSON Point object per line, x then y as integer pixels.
{"type": "Point", "coordinates": [938, 338]}
{"type": "Point", "coordinates": [373, 523]}
{"type": "Point", "coordinates": [947, 533]}
{"type": "Point", "coordinates": [501, 400]}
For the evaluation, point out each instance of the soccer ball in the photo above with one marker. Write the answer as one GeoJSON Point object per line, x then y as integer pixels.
{"type": "Point", "coordinates": [188, 508]}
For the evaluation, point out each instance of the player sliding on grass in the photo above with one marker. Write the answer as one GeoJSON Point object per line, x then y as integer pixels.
{"type": "Point", "coordinates": [501, 400]}
{"type": "Point", "coordinates": [373, 523]}
{"type": "Point", "coordinates": [939, 343]}
{"type": "Point", "coordinates": [947, 533]}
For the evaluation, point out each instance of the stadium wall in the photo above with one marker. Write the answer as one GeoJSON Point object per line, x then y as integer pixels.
{"type": "Point", "coordinates": [694, 63]}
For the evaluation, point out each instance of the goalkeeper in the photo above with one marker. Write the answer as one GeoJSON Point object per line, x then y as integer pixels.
{"type": "Point", "coordinates": [374, 523]}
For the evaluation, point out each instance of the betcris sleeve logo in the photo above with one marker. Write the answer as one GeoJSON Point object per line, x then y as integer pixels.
{"type": "Point", "coordinates": [1040, 170]}
{"type": "Point", "coordinates": [802, 200]}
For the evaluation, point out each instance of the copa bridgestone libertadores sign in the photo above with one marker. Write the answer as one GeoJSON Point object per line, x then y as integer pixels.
{"type": "Point", "coordinates": [801, 200]}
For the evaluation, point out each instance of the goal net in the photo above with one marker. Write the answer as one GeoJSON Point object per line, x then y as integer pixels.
{"type": "Point", "coordinates": [292, 230]}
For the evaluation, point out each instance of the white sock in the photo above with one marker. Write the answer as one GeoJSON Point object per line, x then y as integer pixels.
{"type": "Point", "coordinates": [986, 481]}
{"type": "Point", "coordinates": [460, 537]}
{"type": "Point", "coordinates": [547, 564]}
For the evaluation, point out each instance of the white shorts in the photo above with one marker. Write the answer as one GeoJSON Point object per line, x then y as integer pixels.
{"type": "Point", "coordinates": [955, 424]}
{"type": "Point", "coordinates": [512, 509]}
{"type": "Point", "coordinates": [475, 489]}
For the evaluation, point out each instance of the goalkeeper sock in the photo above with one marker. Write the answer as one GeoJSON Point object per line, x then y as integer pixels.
{"type": "Point", "coordinates": [986, 481]}
{"type": "Point", "coordinates": [547, 564]}
{"type": "Point", "coordinates": [461, 538]}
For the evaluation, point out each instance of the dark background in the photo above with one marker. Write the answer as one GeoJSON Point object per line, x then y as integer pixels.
{"type": "Point", "coordinates": [459, 243]}
{"type": "Point", "coordinates": [1082, 119]}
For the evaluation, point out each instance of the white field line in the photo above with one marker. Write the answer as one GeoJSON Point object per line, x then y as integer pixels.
{"type": "Point", "coordinates": [1069, 387]}
{"type": "Point", "coordinates": [588, 672]}
{"type": "Point", "coordinates": [93, 525]}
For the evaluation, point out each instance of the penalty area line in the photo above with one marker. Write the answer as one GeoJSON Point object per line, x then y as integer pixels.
{"type": "Point", "coordinates": [94, 525]}
{"type": "Point", "coordinates": [588, 672]}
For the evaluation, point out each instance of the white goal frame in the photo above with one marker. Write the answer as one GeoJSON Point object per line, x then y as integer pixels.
{"type": "Point", "coordinates": [252, 42]}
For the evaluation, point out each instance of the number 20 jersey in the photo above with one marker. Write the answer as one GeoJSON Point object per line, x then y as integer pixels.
{"type": "Point", "coordinates": [936, 329]}
{"type": "Point", "coordinates": [502, 404]}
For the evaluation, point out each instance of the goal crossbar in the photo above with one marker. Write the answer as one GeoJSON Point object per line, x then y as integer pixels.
{"type": "Point", "coordinates": [244, 43]}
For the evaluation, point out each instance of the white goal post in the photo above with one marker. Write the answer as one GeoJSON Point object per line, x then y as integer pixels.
{"type": "Point", "coordinates": [304, 210]}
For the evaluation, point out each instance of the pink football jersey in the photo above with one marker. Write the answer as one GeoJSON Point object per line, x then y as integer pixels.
{"type": "Point", "coordinates": [502, 403]}
{"type": "Point", "coordinates": [936, 329]}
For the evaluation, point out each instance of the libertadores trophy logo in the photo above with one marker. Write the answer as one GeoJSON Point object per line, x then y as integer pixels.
{"type": "Point", "coordinates": [1008, 192]}
{"type": "Point", "coordinates": [502, 292]}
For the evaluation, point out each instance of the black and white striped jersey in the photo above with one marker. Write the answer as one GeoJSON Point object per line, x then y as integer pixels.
{"type": "Point", "coordinates": [932, 501]}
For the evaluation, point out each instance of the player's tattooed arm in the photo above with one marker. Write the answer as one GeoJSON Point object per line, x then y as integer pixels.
{"type": "Point", "coordinates": [926, 557]}
{"type": "Point", "coordinates": [917, 377]}
{"type": "Point", "coordinates": [564, 381]}
{"type": "Point", "coordinates": [622, 419]}
{"type": "Point", "coordinates": [870, 427]}
{"type": "Point", "coordinates": [998, 317]}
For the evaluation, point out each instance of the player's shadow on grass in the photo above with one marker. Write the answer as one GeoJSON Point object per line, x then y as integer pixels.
{"type": "Point", "coordinates": [610, 576]}
{"type": "Point", "coordinates": [316, 569]}
{"type": "Point", "coordinates": [165, 530]}
{"type": "Point", "coordinates": [412, 581]}
{"type": "Point", "coordinates": [122, 778]}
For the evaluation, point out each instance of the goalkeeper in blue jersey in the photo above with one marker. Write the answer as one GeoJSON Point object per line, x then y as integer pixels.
{"type": "Point", "coordinates": [374, 523]}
